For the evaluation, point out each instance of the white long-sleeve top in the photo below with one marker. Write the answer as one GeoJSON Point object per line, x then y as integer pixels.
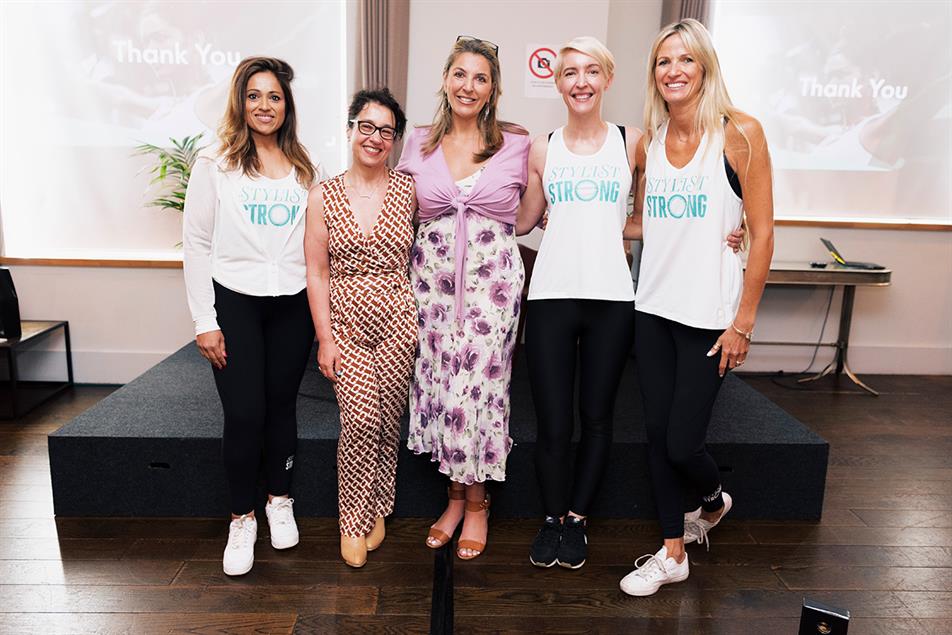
{"type": "Point", "coordinates": [245, 233]}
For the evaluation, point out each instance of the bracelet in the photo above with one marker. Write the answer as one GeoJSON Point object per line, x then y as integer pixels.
{"type": "Point", "coordinates": [740, 332]}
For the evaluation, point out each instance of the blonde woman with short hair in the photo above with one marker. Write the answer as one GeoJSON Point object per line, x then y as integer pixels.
{"type": "Point", "coordinates": [580, 311]}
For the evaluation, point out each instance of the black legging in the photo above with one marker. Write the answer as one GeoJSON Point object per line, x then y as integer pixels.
{"type": "Point", "coordinates": [679, 384]}
{"type": "Point", "coordinates": [598, 333]}
{"type": "Point", "coordinates": [267, 343]}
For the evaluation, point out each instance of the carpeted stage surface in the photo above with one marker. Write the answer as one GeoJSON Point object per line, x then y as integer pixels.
{"type": "Point", "coordinates": [152, 448]}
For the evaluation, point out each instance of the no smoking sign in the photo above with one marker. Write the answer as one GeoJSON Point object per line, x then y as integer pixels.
{"type": "Point", "coordinates": [540, 70]}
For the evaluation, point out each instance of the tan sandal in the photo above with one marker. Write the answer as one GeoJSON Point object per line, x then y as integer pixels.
{"type": "Point", "coordinates": [472, 545]}
{"type": "Point", "coordinates": [353, 550]}
{"type": "Point", "coordinates": [438, 535]}
{"type": "Point", "coordinates": [377, 534]}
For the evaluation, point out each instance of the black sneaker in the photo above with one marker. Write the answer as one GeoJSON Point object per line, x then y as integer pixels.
{"type": "Point", "coordinates": [573, 549]}
{"type": "Point", "coordinates": [545, 546]}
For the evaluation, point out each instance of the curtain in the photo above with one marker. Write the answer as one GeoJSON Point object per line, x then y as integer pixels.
{"type": "Point", "coordinates": [383, 43]}
{"type": "Point", "coordinates": [676, 10]}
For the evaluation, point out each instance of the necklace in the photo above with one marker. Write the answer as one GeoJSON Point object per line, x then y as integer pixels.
{"type": "Point", "coordinates": [369, 194]}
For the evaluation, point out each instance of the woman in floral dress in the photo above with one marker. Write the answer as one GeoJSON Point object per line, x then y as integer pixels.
{"type": "Point", "coordinates": [470, 171]}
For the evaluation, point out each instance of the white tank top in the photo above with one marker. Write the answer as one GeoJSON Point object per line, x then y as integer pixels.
{"type": "Point", "coordinates": [688, 273]}
{"type": "Point", "coordinates": [582, 254]}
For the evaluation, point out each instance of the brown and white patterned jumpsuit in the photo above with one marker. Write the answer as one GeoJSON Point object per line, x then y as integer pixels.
{"type": "Point", "coordinates": [373, 320]}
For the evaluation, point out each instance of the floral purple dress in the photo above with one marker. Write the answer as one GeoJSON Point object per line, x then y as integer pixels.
{"type": "Point", "coordinates": [467, 276]}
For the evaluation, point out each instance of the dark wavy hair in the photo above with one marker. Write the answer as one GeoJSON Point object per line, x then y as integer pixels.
{"type": "Point", "coordinates": [237, 145]}
{"type": "Point", "coordinates": [381, 96]}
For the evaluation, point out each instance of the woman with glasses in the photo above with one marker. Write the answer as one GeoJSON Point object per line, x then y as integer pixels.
{"type": "Point", "coordinates": [469, 170]}
{"type": "Point", "coordinates": [357, 244]}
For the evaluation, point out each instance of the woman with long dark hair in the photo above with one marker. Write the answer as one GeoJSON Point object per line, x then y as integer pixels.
{"type": "Point", "coordinates": [243, 244]}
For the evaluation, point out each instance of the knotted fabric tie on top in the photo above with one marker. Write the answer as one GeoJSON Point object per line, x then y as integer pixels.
{"type": "Point", "coordinates": [459, 206]}
{"type": "Point", "coordinates": [462, 242]}
{"type": "Point", "coordinates": [495, 195]}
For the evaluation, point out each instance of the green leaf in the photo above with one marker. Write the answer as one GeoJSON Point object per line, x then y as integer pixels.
{"type": "Point", "coordinates": [171, 168]}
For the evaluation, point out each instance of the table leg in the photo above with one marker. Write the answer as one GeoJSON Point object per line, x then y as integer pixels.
{"type": "Point", "coordinates": [823, 373]}
{"type": "Point", "coordinates": [14, 380]}
{"type": "Point", "coordinates": [842, 345]}
{"type": "Point", "coordinates": [852, 375]}
{"type": "Point", "coordinates": [69, 355]}
{"type": "Point", "coordinates": [846, 320]}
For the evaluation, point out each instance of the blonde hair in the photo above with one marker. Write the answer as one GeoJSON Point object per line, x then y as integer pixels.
{"type": "Point", "coordinates": [238, 146]}
{"type": "Point", "coordinates": [490, 128]}
{"type": "Point", "coordinates": [589, 46]}
{"type": "Point", "coordinates": [715, 103]}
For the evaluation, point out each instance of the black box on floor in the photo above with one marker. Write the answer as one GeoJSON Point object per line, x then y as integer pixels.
{"type": "Point", "coordinates": [821, 619]}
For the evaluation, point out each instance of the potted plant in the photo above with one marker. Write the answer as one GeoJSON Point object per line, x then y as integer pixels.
{"type": "Point", "coordinates": [172, 168]}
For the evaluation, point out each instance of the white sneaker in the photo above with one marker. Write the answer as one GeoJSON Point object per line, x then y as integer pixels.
{"type": "Point", "coordinates": [696, 530]}
{"type": "Point", "coordinates": [284, 531]}
{"type": "Point", "coordinates": [690, 517]}
{"type": "Point", "coordinates": [652, 571]}
{"type": "Point", "coordinates": [240, 550]}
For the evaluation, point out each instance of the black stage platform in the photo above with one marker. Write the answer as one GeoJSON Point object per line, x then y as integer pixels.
{"type": "Point", "coordinates": [152, 448]}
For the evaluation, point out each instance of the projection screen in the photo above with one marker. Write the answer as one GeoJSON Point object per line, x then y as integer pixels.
{"type": "Point", "coordinates": [83, 83]}
{"type": "Point", "coordinates": [856, 100]}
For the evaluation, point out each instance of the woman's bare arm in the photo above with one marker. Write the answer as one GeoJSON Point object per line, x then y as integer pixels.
{"type": "Point", "coordinates": [533, 204]}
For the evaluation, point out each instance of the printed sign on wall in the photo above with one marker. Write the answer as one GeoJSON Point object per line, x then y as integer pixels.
{"type": "Point", "coordinates": [540, 71]}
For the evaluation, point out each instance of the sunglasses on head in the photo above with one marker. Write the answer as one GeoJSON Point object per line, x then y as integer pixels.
{"type": "Point", "coordinates": [469, 38]}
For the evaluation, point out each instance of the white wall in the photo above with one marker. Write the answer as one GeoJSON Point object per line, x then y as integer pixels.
{"type": "Point", "coordinates": [122, 321]}
{"type": "Point", "coordinates": [511, 24]}
{"type": "Point", "coordinates": [125, 320]}
{"type": "Point", "coordinates": [903, 328]}
{"type": "Point", "coordinates": [632, 25]}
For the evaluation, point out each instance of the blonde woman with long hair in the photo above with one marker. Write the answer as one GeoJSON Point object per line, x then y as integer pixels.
{"type": "Point", "coordinates": [706, 169]}
{"type": "Point", "coordinates": [469, 170]}
{"type": "Point", "coordinates": [243, 243]}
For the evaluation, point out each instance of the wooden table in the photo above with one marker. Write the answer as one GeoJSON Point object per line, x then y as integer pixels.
{"type": "Point", "coordinates": [833, 275]}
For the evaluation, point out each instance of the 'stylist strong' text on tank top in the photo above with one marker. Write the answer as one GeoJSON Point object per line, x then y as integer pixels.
{"type": "Point", "coordinates": [688, 273]}
{"type": "Point", "coordinates": [582, 255]}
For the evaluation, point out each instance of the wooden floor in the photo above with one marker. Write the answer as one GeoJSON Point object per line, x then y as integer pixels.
{"type": "Point", "coordinates": [883, 550]}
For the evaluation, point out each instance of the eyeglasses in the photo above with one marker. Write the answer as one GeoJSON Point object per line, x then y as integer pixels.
{"type": "Point", "coordinates": [368, 129]}
{"type": "Point", "coordinates": [470, 38]}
